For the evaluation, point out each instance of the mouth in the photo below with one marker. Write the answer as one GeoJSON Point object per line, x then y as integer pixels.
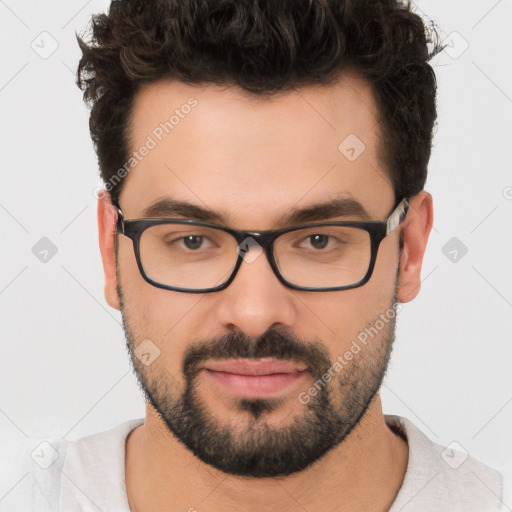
{"type": "Point", "coordinates": [260, 378]}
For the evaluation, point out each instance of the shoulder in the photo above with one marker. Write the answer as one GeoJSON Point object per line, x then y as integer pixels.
{"type": "Point", "coordinates": [56, 474]}
{"type": "Point", "coordinates": [93, 451]}
{"type": "Point", "coordinates": [445, 479]}
{"type": "Point", "coordinates": [94, 471]}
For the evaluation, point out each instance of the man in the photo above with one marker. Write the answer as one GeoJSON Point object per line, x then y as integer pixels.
{"type": "Point", "coordinates": [263, 219]}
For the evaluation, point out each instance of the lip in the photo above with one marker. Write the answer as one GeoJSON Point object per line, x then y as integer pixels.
{"type": "Point", "coordinates": [263, 366]}
{"type": "Point", "coordinates": [261, 378]}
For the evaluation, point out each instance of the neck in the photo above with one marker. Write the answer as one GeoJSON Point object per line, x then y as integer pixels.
{"type": "Point", "coordinates": [364, 472]}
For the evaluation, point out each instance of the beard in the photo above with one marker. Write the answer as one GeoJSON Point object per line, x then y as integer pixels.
{"type": "Point", "coordinates": [255, 448]}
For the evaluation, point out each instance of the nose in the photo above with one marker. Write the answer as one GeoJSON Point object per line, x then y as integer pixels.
{"type": "Point", "coordinates": [256, 299]}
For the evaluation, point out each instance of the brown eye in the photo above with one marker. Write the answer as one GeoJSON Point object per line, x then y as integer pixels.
{"type": "Point", "coordinates": [319, 241]}
{"type": "Point", "coordinates": [193, 241]}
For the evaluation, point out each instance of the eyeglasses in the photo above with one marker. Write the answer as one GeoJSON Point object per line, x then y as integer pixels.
{"type": "Point", "coordinates": [198, 257]}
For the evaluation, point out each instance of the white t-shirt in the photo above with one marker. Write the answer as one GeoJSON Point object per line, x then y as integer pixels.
{"type": "Point", "coordinates": [88, 475]}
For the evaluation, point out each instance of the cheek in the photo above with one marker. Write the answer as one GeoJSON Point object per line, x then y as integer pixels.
{"type": "Point", "coordinates": [337, 315]}
{"type": "Point", "coordinates": [162, 316]}
{"type": "Point", "coordinates": [337, 318]}
{"type": "Point", "coordinates": [156, 309]}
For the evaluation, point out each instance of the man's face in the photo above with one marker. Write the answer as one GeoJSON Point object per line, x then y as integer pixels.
{"type": "Point", "coordinates": [255, 160]}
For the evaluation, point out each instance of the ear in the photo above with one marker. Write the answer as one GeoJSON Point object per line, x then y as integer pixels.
{"type": "Point", "coordinates": [415, 232]}
{"type": "Point", "coordinates": [107, 219]}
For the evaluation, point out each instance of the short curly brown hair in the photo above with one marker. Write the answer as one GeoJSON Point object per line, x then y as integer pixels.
{"type": "Point", "coordinates": [265, 46]}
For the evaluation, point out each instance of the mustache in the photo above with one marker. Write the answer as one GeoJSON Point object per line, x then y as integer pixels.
{"type": "Point", "coordinates": [274, 343]}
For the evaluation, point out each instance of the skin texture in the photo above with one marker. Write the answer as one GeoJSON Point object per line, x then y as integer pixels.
{"type": "Point", "coordinates": [256, 160]}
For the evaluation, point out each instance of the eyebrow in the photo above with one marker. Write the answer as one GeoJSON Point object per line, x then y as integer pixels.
{"type": "Point", "coordinates": [336, 207]}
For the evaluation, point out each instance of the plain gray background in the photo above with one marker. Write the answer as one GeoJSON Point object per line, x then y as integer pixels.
{"type": "Point", "coordinates": [64, 369]}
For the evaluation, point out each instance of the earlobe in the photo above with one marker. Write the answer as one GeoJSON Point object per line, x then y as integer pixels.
{"type": "Point", "coordinates": [107, 219]}
{"type": "Point", "coordinates": [415, 232]}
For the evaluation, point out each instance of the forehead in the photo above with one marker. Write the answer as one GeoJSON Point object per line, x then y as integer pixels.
{"type": "Point", "coordinates": [255, 156]}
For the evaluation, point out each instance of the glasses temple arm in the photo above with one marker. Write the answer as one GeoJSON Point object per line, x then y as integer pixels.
{"type": "Point", "coordinates": [397, 216]}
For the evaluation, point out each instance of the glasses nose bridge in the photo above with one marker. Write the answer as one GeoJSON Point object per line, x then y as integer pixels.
{"type": "Point", "coordinates": [265, 240]}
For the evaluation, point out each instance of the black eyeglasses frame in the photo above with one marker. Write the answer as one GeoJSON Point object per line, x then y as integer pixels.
{"type": "Point", "coordinates": [377, 230]}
